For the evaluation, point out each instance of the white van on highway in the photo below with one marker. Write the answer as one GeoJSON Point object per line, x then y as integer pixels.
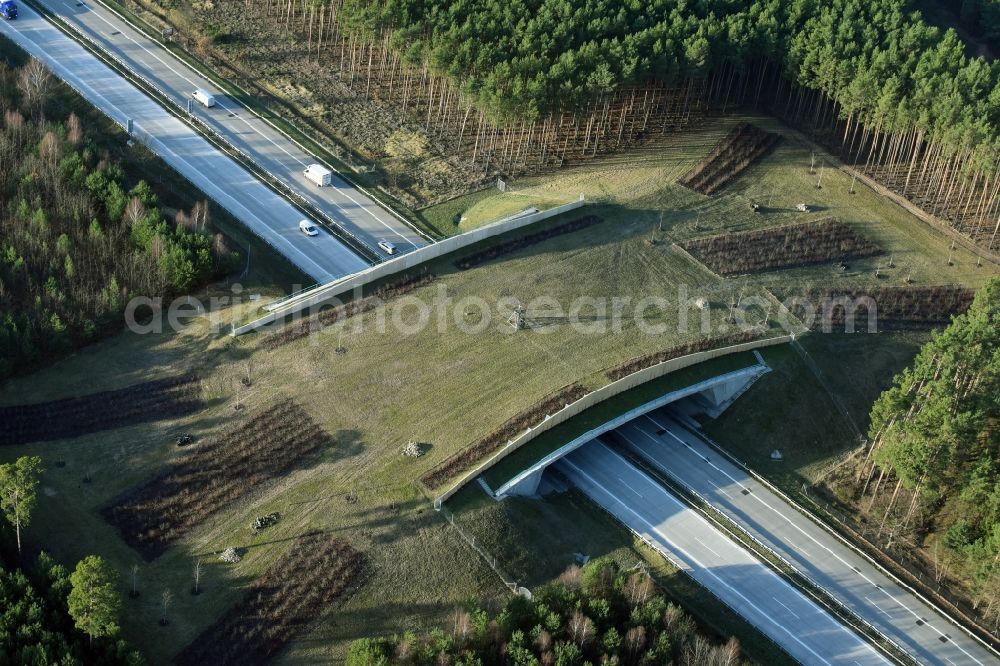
{"type": "Point", "coordinates": [204, 97]}
{"type": "Point", "coordinates": [318, 174]}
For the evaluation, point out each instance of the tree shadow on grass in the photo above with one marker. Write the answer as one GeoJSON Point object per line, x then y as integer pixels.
{"type": "Point", "coordinates": [345, 444]}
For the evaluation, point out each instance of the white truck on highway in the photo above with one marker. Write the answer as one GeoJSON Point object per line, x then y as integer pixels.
{"type": "Point", "coordinates": [318, 174]}
{"type": "Point", "coordinates": [202, 96]}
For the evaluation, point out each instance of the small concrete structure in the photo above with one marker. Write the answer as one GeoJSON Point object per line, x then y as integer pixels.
{"type": "Point", "coordinates": [711, 396]}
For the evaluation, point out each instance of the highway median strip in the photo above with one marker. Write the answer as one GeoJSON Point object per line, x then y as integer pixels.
{"type": "Point", "coordinates": [281, 122]}
{"type": "Point", "coordinates": [764, 554]}
{"type": "Point", "coordinates": [272, 182]}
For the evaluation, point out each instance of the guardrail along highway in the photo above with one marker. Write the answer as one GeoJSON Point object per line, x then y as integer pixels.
{"type": "Point", "coordinates": [804, 629]}
{"type": "Point", "coordinates": [267, 214]}
{"type": "Point", "coordinates": [814, 551]}
{"type": "Point", "coordinates": [274, 152]}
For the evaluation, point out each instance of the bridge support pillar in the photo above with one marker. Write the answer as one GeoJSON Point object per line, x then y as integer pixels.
{"type": "Point", "coordinates": [719, 396]}
{"type": "Point", "coordinates": [528, 486]}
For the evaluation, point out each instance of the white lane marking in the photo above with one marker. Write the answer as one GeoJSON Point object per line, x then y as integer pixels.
{"type": "Point", "coordinates": [655, 439]}
{"type": "Point", "coordinates": [44, 31]}
{"type": "Point", "coordinates": [121, 30]}
{"type": "Point", "coordinates": [629, 487]}
{"type": "Point", "coordinates": [831, 552]}
{"type": "Point", "coordinates": [96, 13]}
{"type": "Point", "coordinates": [707, 570]}
{"type": "Point", "coordinates": [794, 614]}
{"type": "Point", "coordinates": [873, 603]}
{"type": "Point", "coordinates": [707, 547]}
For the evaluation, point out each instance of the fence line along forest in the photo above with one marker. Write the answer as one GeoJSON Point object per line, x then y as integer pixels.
{"type": "Point", "coordinates": [523, 85]}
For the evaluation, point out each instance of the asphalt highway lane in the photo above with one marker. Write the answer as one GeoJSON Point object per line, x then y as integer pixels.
{"type": "Point", "coordinates": [266, 213]}
{"type": "Point", "coordinates": [813, 550]}
{"type": "Point", "coordinates": [271, 150]}
{"type": "Point", "coordinates": [805, 630]}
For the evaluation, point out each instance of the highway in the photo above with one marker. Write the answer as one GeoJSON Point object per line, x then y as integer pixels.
{"type": "Point", "coordinates": [263, 211]}
{"type": "Point", "coordinates": [813, 550]}
{"type": "Point", "coordinates": [805, 630]}
{"type": "Point", "coordinates": [267, 147]}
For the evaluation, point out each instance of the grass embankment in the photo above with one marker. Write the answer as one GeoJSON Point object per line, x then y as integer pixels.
{"type": "Point", "coordinates": [443, 389]}
{"type": "Point", "coordinates": [474, 210]}
{"type": "Point", "coordinates": [790, 410]}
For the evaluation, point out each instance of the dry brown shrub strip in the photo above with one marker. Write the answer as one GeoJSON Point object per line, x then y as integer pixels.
{"type": "Point", "coordinates": [279, 605]}
{"type": "Point", "coordinates": [213, 475]}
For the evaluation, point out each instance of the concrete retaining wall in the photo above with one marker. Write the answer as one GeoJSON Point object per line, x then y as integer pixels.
{"type": "Point", "coordinates": [325, 292]}
{"type": "Point", "coordinates": [602, 394]}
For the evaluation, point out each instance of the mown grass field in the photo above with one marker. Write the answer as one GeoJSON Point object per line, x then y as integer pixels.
{"type": "Point", "coordinates": [442, 388]}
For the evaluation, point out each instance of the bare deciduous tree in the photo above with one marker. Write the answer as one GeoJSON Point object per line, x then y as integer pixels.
{"type": "Point", "coordinates": [581, 629]}
{"type": "Point", "coordinates": [199, 216]}
{"type": "Point", "coordinates": [219, 246]}
{"type": "Point", "coordinates": [639, 588]}
{"type": "Point", "coordinates": [165, 598]}
{"type": "Point", "coordinates": [404, 651]}
{"type": "Point", "coordinates": [74, 129]}
{"type": "Point", "coordinates": [635, 642]}
{"type": "Point", "coordinates": [157, 248]}
{"type": "Point", "coordinates": [544, 641]}
{"type": "Point", "coordinates": [729, 654]}
{"type": "Point", "coordinates": [698, 652]}
{"type": "Point", "coordinates": [571, 577]}
{"type": "Point", "coordinates": [134, 211]}
{"type": "Point", "coordinates": [35, 83]}
{"type": "Point", "coordinates": [50, 150]}
{"type": "Point", "coordinates": [197, 577]}
{"type": "Point", "coordinates": [461, 627]}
